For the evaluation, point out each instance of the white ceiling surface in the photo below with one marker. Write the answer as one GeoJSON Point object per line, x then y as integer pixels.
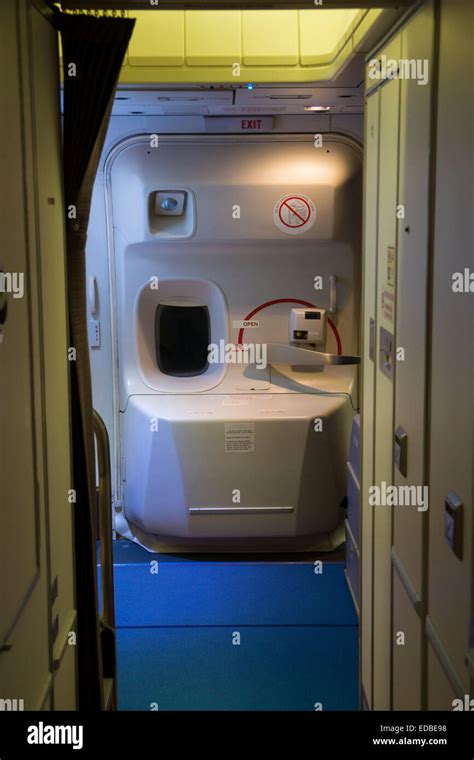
{"type": "Point", "coordinates": [227, 101]}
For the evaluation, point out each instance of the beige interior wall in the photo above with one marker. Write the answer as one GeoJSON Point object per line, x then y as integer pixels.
{"type": "Point", "coordinates": [383, 443]}
{"type": "Point", "coordinates": [440, 692]}
{"type": "Point", "coordinates": [412, 283]}
{"type": "Point", "coordinates": [51, 251]}
{"type": "Point", "coordinates": [450, 437]}
{"type": "Point", "coordinates": [24, 578]}
{"type": "Point", "coordinates": [434, 327]}
{"type": "Point", "coordinates": [35, 416]}
{"type": "Point", "coordinates": [411, 336]}
{"type": "Point", "coordinates": [407, 633]}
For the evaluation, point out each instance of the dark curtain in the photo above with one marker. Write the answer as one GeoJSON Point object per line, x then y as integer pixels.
{"type": "Point", "coordinates": [93, 51]}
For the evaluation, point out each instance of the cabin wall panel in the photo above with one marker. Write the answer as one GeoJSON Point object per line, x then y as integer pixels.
{"type": "Point", "coordinates": [35, 424]}
{"type": "Point", "coordinates": [412, 286]}
{"type": "Point", "coordinates": [20, 469]}
{"type": "Point", "coordinates": [270, 40]}
{"type": "Point", "coordinates": [54, 322]}
{"type": "Point", "coordinates": [157, 44]}
{"type": "Point", "coordinates": [407, 636]}
{"type": "Point", "coordinates": [434, 327]}
{"type": "Point", "coordinates": [411, 267]}
{"type": "Point", "coordinates": [440, 691]}
{"type": "Point", "coordinates": [213, 38]}
{"type": "Point", "coordinates": [451, 367]}
{"type": "Point", "coordinates": [368, 383]}
{"type": "Point", "coordinates": [384, 388]}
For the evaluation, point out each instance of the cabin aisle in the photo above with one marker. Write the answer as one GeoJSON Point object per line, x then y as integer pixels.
{"type": "Point", "coordinates": [197, 633]}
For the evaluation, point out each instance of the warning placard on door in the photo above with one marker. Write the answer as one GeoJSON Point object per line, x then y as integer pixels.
{"type": "Point", "coordinates": [294, 214]}
{"type": "Point", "coordinates": [391, 266]}
{"type": "Point", "coordinates": [239, 437]}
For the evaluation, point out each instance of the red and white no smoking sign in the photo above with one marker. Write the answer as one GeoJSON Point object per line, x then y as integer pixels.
{"type": "Point", "coordinates": [294, 214]}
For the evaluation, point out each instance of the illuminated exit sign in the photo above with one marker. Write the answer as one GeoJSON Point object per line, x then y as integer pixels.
{"type": "Point", "coordinates": [238, 123]}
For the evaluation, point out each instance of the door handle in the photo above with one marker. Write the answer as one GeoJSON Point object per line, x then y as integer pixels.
{"type": "Point", "coordinates": [105, 520]}
{"type": "Point", "coordinates": [107, 633]}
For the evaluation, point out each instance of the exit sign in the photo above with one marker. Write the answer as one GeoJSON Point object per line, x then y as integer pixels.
{"type": "Point", "coordinates": [238, 123]}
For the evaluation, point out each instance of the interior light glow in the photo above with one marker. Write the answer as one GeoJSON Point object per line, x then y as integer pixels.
{"type": "Point", "coordinates": [317, 108]}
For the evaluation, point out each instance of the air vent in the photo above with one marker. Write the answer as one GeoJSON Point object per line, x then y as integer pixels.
{"type": "Point", "coordinates": [180, 99]}
{"type": "Point", "coordinates": [181, 109]}
{"type": "Point", "coordinates": [261, 109]}
{"type": "Point", "coordinates": [288, 97]}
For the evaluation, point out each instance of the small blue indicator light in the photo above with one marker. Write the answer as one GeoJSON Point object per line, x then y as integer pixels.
{"type": "Point", "coordinates": [250, 87]}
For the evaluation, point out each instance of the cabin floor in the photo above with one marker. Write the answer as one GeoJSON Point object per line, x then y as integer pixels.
{"type": "Point", "coordinates": [234, 632]}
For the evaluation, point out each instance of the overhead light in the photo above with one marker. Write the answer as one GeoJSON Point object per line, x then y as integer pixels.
{"type": "Point", "coordinates": [317, 108]}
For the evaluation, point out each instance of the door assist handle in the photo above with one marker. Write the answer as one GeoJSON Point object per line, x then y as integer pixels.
{"type": "Point", "coordinates": [107, 633]}
{"type": "Point", "coordinates": [281, 353]}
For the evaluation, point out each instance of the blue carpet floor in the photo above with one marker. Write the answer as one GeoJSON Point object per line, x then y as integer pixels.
{"type": "Point", "coordinates": [198, 633]}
